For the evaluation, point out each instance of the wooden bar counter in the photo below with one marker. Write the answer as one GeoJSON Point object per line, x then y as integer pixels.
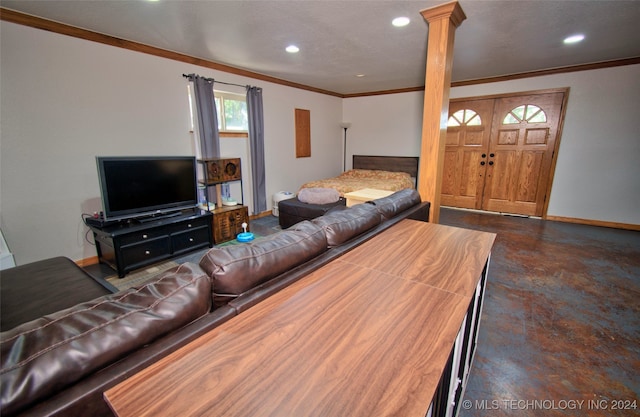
{"type": "Point", "coordinates": [369, 334]}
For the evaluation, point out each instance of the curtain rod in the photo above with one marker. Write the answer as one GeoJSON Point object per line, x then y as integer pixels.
{"type": "Point", "coordinates": [212, 80]}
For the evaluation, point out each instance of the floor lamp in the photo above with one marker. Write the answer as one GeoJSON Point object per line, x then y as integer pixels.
{"type": "Point", "coordinates": [345, 126]}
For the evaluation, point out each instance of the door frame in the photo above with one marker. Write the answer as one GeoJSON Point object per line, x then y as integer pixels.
{"type": "Point", "coordinates": [556, 147]}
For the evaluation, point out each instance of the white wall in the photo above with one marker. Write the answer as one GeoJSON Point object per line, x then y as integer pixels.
{"type": "Point", "coordinates": [65, 100]}
{"type": "Point", "coordinates": [597, 173]}
{"type": "Point", "coordinates": [384, 125]}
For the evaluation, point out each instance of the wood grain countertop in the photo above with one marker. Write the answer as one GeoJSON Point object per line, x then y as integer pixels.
{"type": "Point", "coordinates": [448, 258]}
{"type": "Point", "coordinates": [352, 338]}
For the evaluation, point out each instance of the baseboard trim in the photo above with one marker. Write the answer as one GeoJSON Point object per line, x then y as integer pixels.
{"type": "Point", "coordinates": [600, 223]}
{"type": "Point", "coordinates": [87, 261]}
{"type": "Point", "coordinates": [261, 215]}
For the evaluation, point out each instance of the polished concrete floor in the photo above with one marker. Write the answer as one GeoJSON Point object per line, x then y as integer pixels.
{"type": "Point", "coordinates": [560, 331]}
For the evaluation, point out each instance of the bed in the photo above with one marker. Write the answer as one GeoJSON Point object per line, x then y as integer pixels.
{"type": "Point", "coordinates": [391, 173]}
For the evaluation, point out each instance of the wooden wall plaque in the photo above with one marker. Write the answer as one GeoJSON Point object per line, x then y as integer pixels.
{"type": "Point", "coordinates": [303, 133]}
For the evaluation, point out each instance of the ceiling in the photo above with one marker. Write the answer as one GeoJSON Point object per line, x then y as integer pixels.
{"type": "Point", "coordinates": [339, 40]}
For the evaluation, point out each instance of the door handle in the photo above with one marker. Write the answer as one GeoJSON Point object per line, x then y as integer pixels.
{"type": "Point", "coordinates": [491, 155]}
{"type": "Point", "coordinates": [482, 163]}
{"type": "Point", "coordinates": [490, 162]}
{"type": "Point", "coordinates": [484, 155]}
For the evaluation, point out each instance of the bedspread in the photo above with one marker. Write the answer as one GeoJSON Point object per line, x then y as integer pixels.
{"type": "Point", "coordinates": [358, 179]}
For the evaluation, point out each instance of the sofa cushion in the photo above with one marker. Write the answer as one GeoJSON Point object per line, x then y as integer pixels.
{"type": "Point", "coordinates": [294, 211]}
{"type": "Point", "coordinates": [236, 269]}
{"type": "Point", "coordinates": [342, 225]}
{"type": "Point", "coordinates": [33, 290]}
{"type": "Point", "coordinates": [397, 202]}
{"type": "Point", "coordinates": [318, 195]}
{"type": "Point", "coordinates": [43, 356]}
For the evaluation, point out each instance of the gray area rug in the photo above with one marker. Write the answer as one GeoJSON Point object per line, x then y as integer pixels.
{"type": "Point", "coordinates": [139, 277]}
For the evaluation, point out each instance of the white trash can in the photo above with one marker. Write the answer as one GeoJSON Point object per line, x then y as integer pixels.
{"type": "Point", "coordinates": [279, 196]}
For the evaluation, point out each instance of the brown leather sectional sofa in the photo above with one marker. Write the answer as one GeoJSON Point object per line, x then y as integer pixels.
{"type": "Point", "coordinates": [60, 364]}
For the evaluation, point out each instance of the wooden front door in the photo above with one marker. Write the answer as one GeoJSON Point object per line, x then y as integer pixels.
{"type": "Point", "coordinates": [466, 150]}
{"type": "Point", "coordinates": [504, 161]}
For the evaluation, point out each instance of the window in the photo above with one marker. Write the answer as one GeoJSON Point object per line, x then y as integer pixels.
{"type": "Point", "coordinates": [526, 113]}
{"type": "Point", "coordinates": [231, 109]}
{"type": "Point", "coordinates": [232, 112]}
{"type": "Point", "coordinates": [464, 117]}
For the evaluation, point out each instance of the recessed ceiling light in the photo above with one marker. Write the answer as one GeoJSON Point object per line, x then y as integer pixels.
{"type": "Point", "coordinates": [359, 75]}
{"type": "Point", "coordinates": [574, 38]}
{"type": "Point", "coordinates": [292, 49]}
{"type": "Point", "coordinates": [400, 21]}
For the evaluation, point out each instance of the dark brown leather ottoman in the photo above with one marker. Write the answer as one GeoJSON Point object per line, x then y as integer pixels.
{"type": "Point", "coordinates": [30, 291]}
{"type": "Point", "coordinates": [294, 211]}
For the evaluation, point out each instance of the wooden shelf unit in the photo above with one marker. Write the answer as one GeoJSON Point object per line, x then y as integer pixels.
{"type": "Point", "coordinates": [227, 220]}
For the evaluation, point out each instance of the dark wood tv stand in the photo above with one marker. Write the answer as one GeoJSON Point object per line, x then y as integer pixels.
{"type": "Point", "coordinates": [129, 245]}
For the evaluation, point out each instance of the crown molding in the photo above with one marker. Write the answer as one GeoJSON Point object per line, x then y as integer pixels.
{"type": "Point", "coordinates": [12, 16]}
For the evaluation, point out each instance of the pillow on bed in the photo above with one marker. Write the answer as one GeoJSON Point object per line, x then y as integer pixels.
{"type": "Point", "coordinates": [318, 195]}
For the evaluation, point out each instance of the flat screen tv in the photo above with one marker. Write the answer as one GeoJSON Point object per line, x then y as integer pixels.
{"type": "Point", "coordinates": [136, 187]}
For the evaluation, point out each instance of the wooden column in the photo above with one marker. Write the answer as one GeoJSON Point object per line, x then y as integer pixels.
{"type": "Point", "coordinates": [443, 21]}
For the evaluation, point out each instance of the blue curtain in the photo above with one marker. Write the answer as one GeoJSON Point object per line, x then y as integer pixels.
{"type": "Point", "coordinates": [256, 147]}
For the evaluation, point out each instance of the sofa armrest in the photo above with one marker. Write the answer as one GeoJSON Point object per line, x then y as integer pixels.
{"type": "Point", "coordinates": [44, 356]}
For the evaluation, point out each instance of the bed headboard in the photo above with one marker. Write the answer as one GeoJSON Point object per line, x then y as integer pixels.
{"type": "Point", "coordinates": [388, 163]}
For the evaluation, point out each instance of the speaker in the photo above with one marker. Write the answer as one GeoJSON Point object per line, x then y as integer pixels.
{"type": "Point", "coordinates": [226, 169]}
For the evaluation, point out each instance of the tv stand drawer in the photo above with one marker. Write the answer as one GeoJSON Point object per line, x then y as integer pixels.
{"type": "Point", "coordinates": [189, 225]}
{"type": "Point", "coordinates": [143, 236]}
{"type": "Point", "coordinates": [190, 239]}
{"type": "Point", "coordinates": [146, 252]}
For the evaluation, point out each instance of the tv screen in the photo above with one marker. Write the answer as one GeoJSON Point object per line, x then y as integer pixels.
{"type": "Point", "coordinates": [143, 186]}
